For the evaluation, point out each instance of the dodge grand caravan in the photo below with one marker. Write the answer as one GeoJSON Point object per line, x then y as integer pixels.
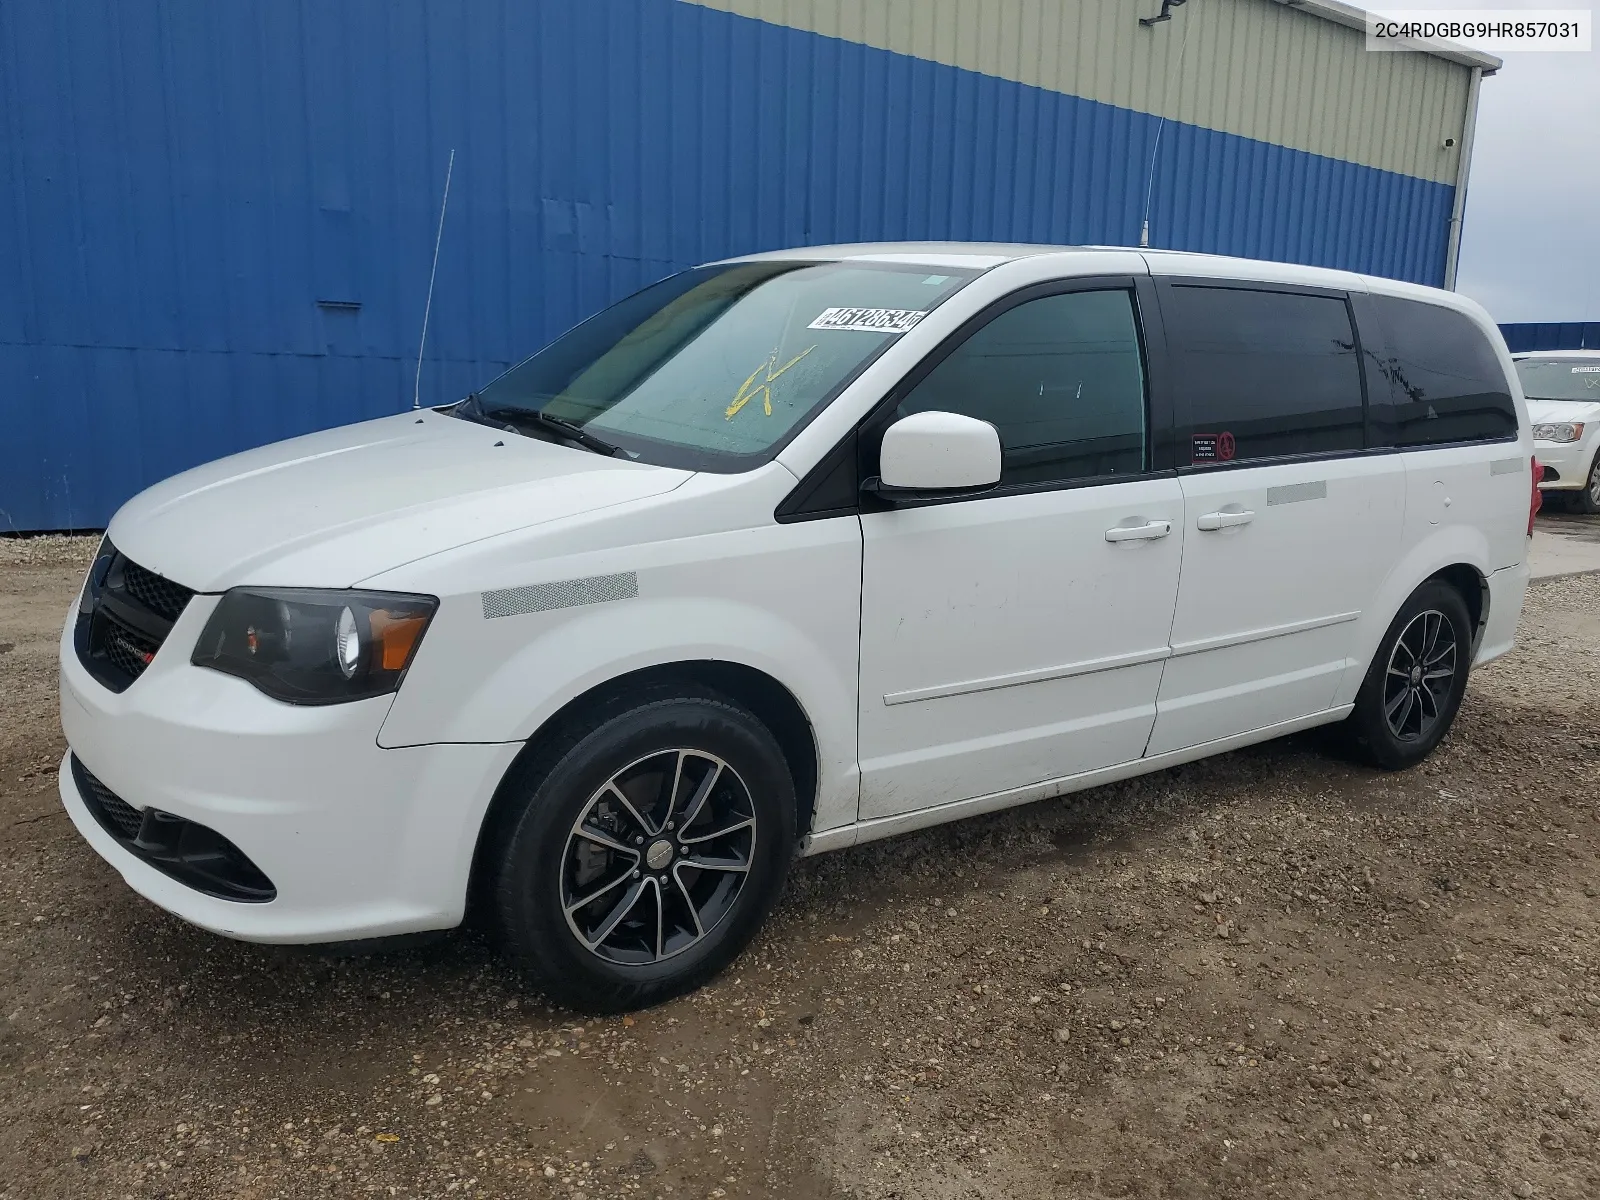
{"type": "Point", "coordinates": [1562, 388]}
{"type": "Point", "coordinates": [779, 555]}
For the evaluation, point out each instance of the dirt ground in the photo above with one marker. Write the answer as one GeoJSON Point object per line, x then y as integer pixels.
{"type": "Point", "coordinates": [1268, 974]}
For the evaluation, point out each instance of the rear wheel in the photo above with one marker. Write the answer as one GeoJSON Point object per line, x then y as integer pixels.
{"type": "Point", "coordinates": [645, 855]}
{"type": "Point", "coordinates": [1414, 686]}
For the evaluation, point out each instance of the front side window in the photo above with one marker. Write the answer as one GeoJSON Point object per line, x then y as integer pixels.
{"type": "Point", "coordinates": [1264, 374]}
{"type": "Point", "coordinates": [714, 368]}
{"type": "Point", "coordinates": [1560, 378]}
{"type": "Point", "coordinates": [1060, 377]}
{"type": "Point", "coordinates": [1445, 380]}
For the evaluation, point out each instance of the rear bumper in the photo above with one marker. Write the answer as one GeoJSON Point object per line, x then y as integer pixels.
{"type": "Point", "coordinates": [1508, 588]}
{"type": "Point", "coordinates": [356, 841]}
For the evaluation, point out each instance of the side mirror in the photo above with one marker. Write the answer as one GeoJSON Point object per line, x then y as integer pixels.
{"type": "Point", "coordinates": [939, 452]}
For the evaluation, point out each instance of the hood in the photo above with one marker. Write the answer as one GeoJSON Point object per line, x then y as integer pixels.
{"type": "Point", "coordinates": [333, 508]}
{"type": "Point", "coordinates": [1541, 412]}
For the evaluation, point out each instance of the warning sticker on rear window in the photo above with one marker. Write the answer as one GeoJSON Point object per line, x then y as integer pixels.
{"type": "Point", "coordinates": [868, 320]}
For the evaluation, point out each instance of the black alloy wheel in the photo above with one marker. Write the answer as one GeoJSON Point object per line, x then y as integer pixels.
{"type": "Point", "coordinates": [1415, 683]}
{"type": "Point", "coordinates": [658, 857]}
{"type": "Point", "coordinates": [638, 850]}
{"type": "Point", "coordinates": [1420, 675]}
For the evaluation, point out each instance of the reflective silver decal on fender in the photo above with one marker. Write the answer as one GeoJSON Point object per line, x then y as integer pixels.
{"type": "Point", "coordinates": [568, 593]}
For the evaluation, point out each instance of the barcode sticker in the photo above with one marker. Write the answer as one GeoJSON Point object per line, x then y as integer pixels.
{"type": "Point", "coordinates": [868, 320]}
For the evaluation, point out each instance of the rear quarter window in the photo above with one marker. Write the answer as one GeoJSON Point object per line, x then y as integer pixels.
{"type": "Point", "coordinates": [1445, 382]}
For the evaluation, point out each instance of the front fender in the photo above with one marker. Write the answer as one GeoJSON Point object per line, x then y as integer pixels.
{"type": "Point", "coordinates": [786, 604]}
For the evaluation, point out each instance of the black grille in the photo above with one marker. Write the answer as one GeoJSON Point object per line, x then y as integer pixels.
{"type": "Point", "coordinates": [126, 614]}
{"type": "Point", "coordinates": [156, 593]}
{"type": "Point", "coordinates": [120, 818]}
{"type": "Point", "coordinates": [126, 649]}
{"type": "Point", "coordinates": [184, 850]}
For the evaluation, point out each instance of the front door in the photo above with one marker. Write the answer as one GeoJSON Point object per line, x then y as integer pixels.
{"type": "Point", "coordinates": [1018, 636]}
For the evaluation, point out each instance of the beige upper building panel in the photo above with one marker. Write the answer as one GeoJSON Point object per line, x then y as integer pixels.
{"type": "Point", "coordinates": [1261, 69]}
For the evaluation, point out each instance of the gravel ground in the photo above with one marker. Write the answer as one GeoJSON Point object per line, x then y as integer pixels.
{"type": "Point", "coordinates": [1271, 973]}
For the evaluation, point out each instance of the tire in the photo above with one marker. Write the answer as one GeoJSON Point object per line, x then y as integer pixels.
{"type": "Point", "coordinates": [1587, 499]}
{"type": "Point", "coordinates": [586, 833]}
{"type": "Point", "coordinates": [1384, 728]}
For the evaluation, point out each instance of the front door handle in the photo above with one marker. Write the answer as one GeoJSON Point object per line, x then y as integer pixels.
{"type": "Point", "coordinates": [1139, 533]}
{"type": "Point", "coordinates": [1225, 520]}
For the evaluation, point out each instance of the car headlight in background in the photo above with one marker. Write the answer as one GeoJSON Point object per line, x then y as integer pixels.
{"type": "Point", "coordinates": [308, 646]}
{"type": "Point", "coordinates": [1559, 431]}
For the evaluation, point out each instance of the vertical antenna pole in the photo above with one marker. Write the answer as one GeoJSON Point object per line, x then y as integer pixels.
{"type": "Point", "coordinates": [1166, 92]}
{"type": "Point", "coordinates": [427, 309]}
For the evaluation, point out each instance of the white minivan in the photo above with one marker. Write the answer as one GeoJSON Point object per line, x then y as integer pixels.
{"type": "Point", "coordinates": [779, 555]}
{"type": "Point", "coordinates": [1562, 388]}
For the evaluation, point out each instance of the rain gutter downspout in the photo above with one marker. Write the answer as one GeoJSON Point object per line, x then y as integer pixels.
{"type": "Point", "coordinates": [1458, 206]}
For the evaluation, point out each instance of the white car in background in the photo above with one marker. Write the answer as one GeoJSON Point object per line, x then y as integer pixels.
{"type": "Point", "coordinates": [1563, 392]}
{"type": "Point", "coordinates": [780, 555]}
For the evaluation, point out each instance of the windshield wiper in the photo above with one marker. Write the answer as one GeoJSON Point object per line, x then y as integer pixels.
{"type": "Point", "coordinates": [468, 409]}
{"type": "Point", "coordinates": [564, 427]}
{"type": "Point", "coordinates": [472, 409]}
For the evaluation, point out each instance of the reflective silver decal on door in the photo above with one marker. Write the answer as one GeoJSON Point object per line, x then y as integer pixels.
{"type": "Point", "coordinates": [1293, 493]}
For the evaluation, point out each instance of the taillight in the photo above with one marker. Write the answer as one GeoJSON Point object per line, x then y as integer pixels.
{"type": "Point", "coordinates": [1537, 498]}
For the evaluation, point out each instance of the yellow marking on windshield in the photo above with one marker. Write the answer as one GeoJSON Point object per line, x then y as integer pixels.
{"type": "Point", "coordinates": [746, 393]}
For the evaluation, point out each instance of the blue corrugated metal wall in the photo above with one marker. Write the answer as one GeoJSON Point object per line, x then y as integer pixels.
{"type": "Point", "coordinates": [1552, 335]}
{"type": "Point", "coordinates": [216, 218]}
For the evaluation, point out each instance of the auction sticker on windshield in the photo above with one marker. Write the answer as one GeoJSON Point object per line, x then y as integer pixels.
{"type": "Point", "coordinates": [868, 320]}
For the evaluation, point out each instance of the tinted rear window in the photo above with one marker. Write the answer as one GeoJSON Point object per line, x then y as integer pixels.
{"type": "Point", "coordinates": [1445, 380]}
{"type": "Point", "coordinates": [1265, 374]}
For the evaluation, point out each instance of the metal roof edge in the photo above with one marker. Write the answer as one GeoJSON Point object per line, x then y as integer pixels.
{"type": "Point", "coordinates": [1356, 18]}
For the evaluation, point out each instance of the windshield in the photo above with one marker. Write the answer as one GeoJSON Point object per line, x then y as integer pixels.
{"type": "Point", "coordinates": [714, 368]}
{"type": "Point", "coordinates": [1560, 378]}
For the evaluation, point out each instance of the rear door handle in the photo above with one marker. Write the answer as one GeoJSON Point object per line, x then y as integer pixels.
{"type": "Point", "coordinates": [1139, 533]}
{"type": "Point", "coordinates": [1225, 520]}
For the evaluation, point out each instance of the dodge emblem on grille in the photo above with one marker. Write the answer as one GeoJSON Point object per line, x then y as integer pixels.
{"type": "Point", "coordinates": [142, 655]}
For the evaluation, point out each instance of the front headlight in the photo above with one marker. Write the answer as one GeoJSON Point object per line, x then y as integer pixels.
{"type": "Point", "coordinates": [1558, 431]}
{"type": "Point", "coordinates": [96, 579]}
{"type": "Point", "coordinates": [306, 646]}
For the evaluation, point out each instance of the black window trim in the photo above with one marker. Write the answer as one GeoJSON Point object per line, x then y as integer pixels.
{"type": "Point", "coordinates": [866, 435]}
{"type": "Point", "coordinates": [1183, 427]}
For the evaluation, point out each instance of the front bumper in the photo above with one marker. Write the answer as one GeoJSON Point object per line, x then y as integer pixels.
{"type": "Point", "coordinates": [1570, 460]}
{"type": "Point", "coordinates": [357, 841]}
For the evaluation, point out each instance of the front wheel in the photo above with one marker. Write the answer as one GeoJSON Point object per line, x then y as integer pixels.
{"type": "Point", "coordinates": [1416, 681]}
{"type": "Point", "coordinates": [1588, 499]}
{"type": "Point", "coordinates": [644, 852]}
